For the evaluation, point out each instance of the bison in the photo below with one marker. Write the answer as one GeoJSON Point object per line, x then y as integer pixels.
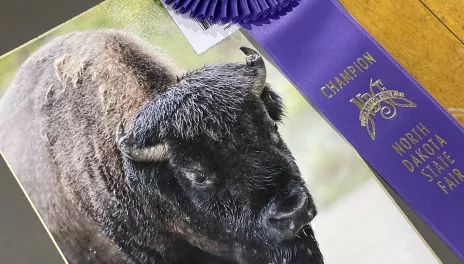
{"type": "Point", "coordinates": [130, 159]}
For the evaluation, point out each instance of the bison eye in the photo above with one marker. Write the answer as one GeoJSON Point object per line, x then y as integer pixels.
{"type": "Point", "coordinates": [199, 179]}
{"type": "Point", "coordinates": [202, 182]}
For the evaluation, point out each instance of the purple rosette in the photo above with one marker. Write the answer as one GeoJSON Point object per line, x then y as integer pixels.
{"type": "Point", "coordinates": [235, 11]}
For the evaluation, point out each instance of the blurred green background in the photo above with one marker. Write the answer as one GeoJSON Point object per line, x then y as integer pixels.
{"type": "Point", "coordinates": [330, 167]}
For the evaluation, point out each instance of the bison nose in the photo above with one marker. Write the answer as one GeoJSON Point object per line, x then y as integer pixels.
{"type": "Point", "coordinates": [292, 214]}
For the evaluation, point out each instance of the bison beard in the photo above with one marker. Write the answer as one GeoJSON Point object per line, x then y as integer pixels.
{"type": "Point", "coordinates": [132, 160]}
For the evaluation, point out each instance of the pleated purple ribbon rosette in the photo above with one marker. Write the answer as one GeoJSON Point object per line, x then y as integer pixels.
{"type": "Point", "coordinates": [235, 11]}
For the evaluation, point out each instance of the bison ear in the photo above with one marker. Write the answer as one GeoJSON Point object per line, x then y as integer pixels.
{"type": "Point", "coordinates": [128, 148]}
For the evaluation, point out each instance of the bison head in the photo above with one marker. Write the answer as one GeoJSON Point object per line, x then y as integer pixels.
{"type": "Point", "coordinates": [207, 159]}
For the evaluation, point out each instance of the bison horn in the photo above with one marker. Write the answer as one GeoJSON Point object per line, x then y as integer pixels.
{"type": "Point", "coordinates": [254, 59]}
{"type": "Point", "coordinates": [129, 149]}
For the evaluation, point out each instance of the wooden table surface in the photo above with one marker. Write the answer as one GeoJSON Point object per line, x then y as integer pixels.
{"type": "Point", "coordinates": [426, 37]}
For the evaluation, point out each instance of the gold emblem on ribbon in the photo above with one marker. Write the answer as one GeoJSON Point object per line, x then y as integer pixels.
{"type": "Point", "coordinates": [385, 101]}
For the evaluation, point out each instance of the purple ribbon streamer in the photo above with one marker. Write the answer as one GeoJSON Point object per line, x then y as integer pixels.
{"type": "Point", "coordinates": [319, 41]}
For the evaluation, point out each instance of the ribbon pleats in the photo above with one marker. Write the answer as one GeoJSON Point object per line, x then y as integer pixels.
{"type": "Point", "coordinates": [235, 11]}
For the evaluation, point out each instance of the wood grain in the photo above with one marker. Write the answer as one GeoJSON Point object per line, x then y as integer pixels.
{"type": "Point", "coordinates": [450, 13]}
{"type": "Point", "coordinates": [420, 42]}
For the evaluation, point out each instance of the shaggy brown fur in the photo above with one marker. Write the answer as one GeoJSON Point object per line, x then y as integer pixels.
{"type": "Point", "coordinates": [112, 66]}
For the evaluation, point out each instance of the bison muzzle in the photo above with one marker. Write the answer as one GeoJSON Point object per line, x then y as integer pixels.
{"type": "Point", "coordinates": [129, 159]}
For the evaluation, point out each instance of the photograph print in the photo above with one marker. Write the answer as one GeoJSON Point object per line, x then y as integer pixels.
{"type": "Point", "coordinates": [135, 149]}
